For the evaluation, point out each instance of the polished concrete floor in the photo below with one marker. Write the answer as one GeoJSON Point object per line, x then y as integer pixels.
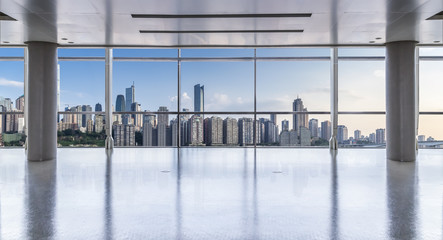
{"type": "Point", "coordinates": [221, 194]}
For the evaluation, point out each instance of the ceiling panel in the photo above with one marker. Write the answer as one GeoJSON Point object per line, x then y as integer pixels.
{"type": "Point", "coordinates": [109, 22]}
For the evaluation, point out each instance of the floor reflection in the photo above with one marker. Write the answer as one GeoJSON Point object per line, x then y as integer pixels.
{"type": "Point", "coordinates": [40, 184]}
{"type": "Point", "coordinates": [402, 194]}
{"type": "Point", "coordinates": [108, 231]}
{"type": "Point", "coordinates": [334, 231]}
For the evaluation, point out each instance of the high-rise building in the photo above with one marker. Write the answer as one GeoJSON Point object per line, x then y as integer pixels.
{"type": "Point", "coordinates": [372, 137]}
{"type": "Point", "coordinates": [137, 118]}
{"type": "Point", "coordinates": [199, 98]}
{"type": "Point", "coordinates": [214, 131]}
{"type": "Point", "coordinates": [288, 138]}
{"type": "Point", "coordinates": [313, 127]}
{"type": "Point", "coordinates": [230, 131]}
{"type": "Point", "coordinates": [99, 123]}
{"type": "Point", "coordinates": [305, 136]}
{"type": "Point", "coordinates": [380, 136]}
{"type": "Point", "coordinates": [174, 131]}
{"type": "Point", "coordinates": [130, 97]}
{"type": "Point", "coordinates": [270, 132]}
{"type": "Point", "coordinates": [148, 126]}
{"type": "Point", "coordinates": [421, 138]}
{"type": "Point", "coordinates": [273, 118]}
{"type": "Point", "coordinates": [342, 133]}
{"type": "Point", "coordinates": [90, 126]}
{"type": "Point", "coordinates": [357, 134]}
{"type": "Point", "coordinates": [162, 124]}
{"type": "Point", "coordinates": [98, 107]}
{"type": "Point", "coordinates": [246, 131]}
{"type": "Point", "coordinates": [299, 120]}
{"type": "Point", "coordinates": [285, 125]}
{"type": "Point", "coordinates": [195, 131]}
{"type": "Point", "coordinates": [124, 135]}
{"type": "Point", "coordinates": [20, 103]}
{"type": "Point", "coordinates": [120, 103]}
{"type": "Point", "coordinates": [326, 130]}
{"type": "Point", "coordinates": [86, 117]}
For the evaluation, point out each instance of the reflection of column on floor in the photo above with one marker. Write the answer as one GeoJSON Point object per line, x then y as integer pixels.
{"type": "Point", "coordinates": [402, 192]}
{"type": "Point", "coordinates": [41, 183]}
{"type": "Point", "coordinates": [108, 230]}
{"type": "Point", "coordinates": [334, 232]}
{"type": "Point", "coordinates": [42, 101]}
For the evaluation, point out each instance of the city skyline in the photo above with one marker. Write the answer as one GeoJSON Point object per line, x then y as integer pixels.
{"type": "Point", "coordinates": [361, 84]}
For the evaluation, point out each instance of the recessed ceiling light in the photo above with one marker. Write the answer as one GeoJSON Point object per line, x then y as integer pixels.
{"type": "Point", "coordinates": [71, 42]}
{"type": "Point", "coordinates": [258, 15]}
{"type": "Point", "coordinates": [5, 42]}
{"type": "Point", "coordinates": [436, 41]}
{"type": "Point", "coordinates": [371, 41]}
{"type": "Point", "coordinates": [225, 31]}
{"type": "Point", "coordinates": [64, 39]}
{"type": "Point", "coordinates": [378, 38]}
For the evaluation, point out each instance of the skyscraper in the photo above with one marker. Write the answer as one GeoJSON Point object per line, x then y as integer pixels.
{"type": "Point", "coordinates": [195, 130]}
{"type": "Point", "coordinates": [124, 135]}
{"type": "Point", "coordinates": [98, 107]}
{"type": "Point", "coordinates": [230, 131]}
{"type": "Point", "coordinates": [20, 103]}
{"type": "Point", "coordinates": [86, 117]}
{"type": "Point", "coordinates": [214, 131]}
{"type": "Point", "coordinates": [130, 97]}
{"type": "Point", "coordinates": [313, 127]}
{"type": "Point", "coordinates": [380, 136]}
{"type": "Point", "coordinates": [326, 130]}
{"type": "Point", "coordinates": [162, 124]}
{"type": "Point", "coordinates": [285, 125]}
{"type": "Point", "coordinates": [299, 120]}
{"type": "Point", "coordinates": [199, 98]}
{"type": "Point", "coordinates": [342, 133]}
{"type": "Point", "coordinates": [246, 131]}
{"type": "Point", "coordinates": [357, 134]}
{"type": "Point", "coordinates": [120, 103]}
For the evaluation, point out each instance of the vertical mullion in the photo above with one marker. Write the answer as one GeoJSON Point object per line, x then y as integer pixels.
{"type": "Point", "coordinates": [109, 143]}
{"type": "Point", "coordinates": [25, 93]}
{"type": "Point", "coordinates": [255, 98]}
{"type": "Point", "coordinates": [334, 98]}
{"type": "Point", "coordinates": [178, 97]}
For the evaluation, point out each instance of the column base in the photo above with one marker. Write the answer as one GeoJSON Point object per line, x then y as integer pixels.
{"type": "Point", "coordinates": [109, 143]}
{"type": "Point", "coordinates": [333, 145]}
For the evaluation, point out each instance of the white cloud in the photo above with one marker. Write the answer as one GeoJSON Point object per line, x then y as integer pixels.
{"type": "Point", "coordinates": [379, 73]}
{"type": "Point", "coordinates": [173, 99]}
{"type": "Point", "coordinates": [185, 96]}
{"type": "Point", "coordinates": [10, 83]}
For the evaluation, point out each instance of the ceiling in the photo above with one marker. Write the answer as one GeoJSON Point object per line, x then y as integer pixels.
{"type": "Point", "coordinates": [109, 22]}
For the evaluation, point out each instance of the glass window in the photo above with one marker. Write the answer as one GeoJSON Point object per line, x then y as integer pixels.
{"type": "Point", "coordinates": [361, 130]}
{"type": "Point", "coordinates": [293, 52]}
{"type": "Point", "coordinates": [431, 83]}
{"type": "Point", "coordinates": [217, 86]}
{"type": "Point", "coordinates": [281, 83]}
{"type": "Point", "coordinates": [82, 92]}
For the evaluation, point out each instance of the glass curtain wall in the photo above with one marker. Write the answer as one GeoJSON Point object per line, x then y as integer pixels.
{"type": "Point", "coordinates": [221, 97]}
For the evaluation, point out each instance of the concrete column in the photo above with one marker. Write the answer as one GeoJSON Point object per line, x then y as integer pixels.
{"type": "Point", "coordinates": [401, 101]}
{"type": "Point", "coordinates": [42, 101]}
{"type": "Point", "coordinates": [334, 99]}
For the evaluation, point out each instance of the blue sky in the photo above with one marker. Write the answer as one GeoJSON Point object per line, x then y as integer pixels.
{"type": "Point", "coordinates": [229, 85]}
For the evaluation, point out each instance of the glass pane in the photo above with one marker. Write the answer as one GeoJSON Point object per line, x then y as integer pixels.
{"type": "Point", "coordinates": [429, 131]}
{"type": "Point", "coordinates": [144, 86]}
{"type": "Point", "coordinates": [82, 89]}
{"type": "Point", "coordinates": [217, 130]}
{"type": "Point", "coordinates": [12, 52]}
{"type": "Point", "coordinates": [145, 129]}
{"type": "Point", "coordinates": [361, 130]}
{"type": "Point", "coordinates": [214, 53]}
{"type": "Point", "coordinates": [278, 130]}
{"type": "Point", "coordinates": [293, 52]}
{"type": "Point", "coordinates": [361, 86]}
{"type": "Point", "coordinates": [362, 52]}
{"type": "Point", "coordinates": [431, 51]}
{"type": "Point", "coordinates": [145, 52]}
{"type": "Point", "coordinates": [431, 83]}
{"type": "Point", "coordinates": [12, 100]}
{"type": "Point", "coordinates": [217, 86]}
{"type": "Point", "coordinates": [81, 52]}
{"type": "Point", "coordinates": [280, 83]}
